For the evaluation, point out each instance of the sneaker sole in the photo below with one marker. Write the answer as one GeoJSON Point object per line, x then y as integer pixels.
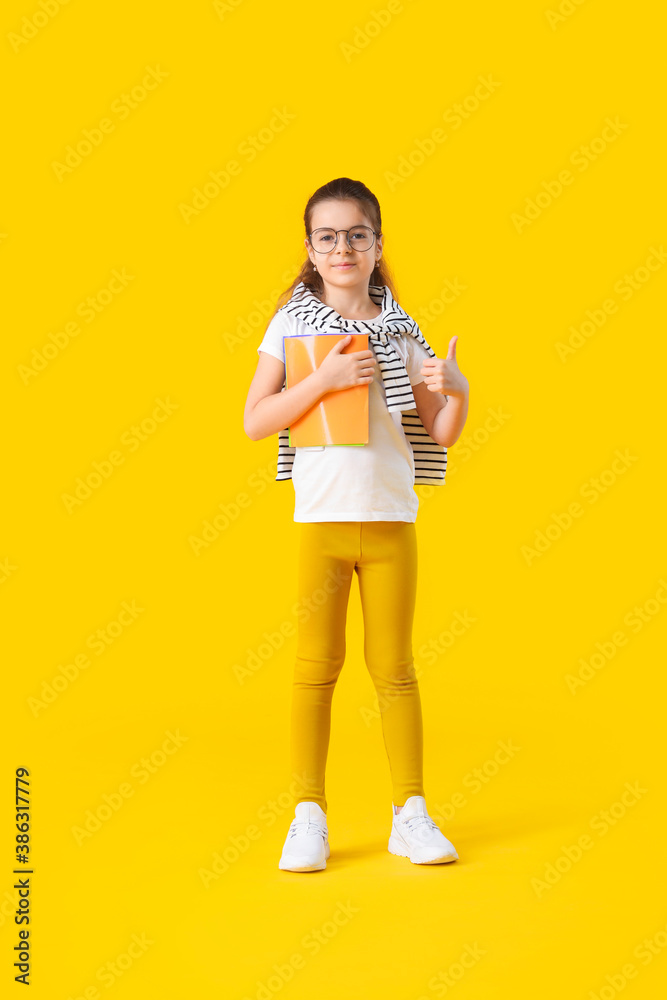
{"type": "Point", "coordinates": [296, 867]}
{"type": "Point", "coordinates": [397, 848]}
{"type": "Point", "coordinates": [301, 868]}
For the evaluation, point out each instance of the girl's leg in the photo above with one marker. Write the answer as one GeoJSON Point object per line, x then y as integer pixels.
{"type": "Point", "coordinates": [326, 560]}
{"type": "Point", "coordinates": [387, 569]}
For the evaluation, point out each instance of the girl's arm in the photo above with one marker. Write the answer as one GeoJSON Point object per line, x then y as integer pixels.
{"type": "Point", "coordinates": [269, 410]}
{"type": "Point", "coordinates": [442, 398]}
{"type": "Point", "coordinates": [447, 417]}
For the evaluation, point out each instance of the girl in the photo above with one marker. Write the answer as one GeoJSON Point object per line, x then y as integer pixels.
{"type": "Point", "coordinates": [356, 505]}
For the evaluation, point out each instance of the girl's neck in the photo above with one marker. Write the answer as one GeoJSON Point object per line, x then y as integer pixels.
{"type": "Point", "coordinates": [351, 303]}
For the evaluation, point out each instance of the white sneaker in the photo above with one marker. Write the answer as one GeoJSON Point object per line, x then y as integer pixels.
{"type": "Point", "coordinates": [414, 835]}
{"type": "Point", "coordinates": [307, 843]}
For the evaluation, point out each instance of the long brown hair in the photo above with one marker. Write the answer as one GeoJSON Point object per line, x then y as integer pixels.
{"type": "Point", "coordinates": [342, 189]}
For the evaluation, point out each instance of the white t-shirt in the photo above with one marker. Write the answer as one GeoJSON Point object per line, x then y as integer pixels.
{"type": "Point", "coordinates": [370, 482]}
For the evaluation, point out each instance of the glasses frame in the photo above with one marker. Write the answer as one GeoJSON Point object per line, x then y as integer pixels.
{"type": "Point", "coordinates": [347, 236]}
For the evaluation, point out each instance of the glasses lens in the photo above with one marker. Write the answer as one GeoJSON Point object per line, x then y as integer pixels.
{"type": "Point", "coordinates": [323, 240]}
{"type": "Point", "coordinates": [361, 238]}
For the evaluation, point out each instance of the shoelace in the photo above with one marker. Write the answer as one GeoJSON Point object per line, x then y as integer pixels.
{"type": "Point", "coordinates": [307, 823]}
{"type": "Point", "coordinates": [416, 821]}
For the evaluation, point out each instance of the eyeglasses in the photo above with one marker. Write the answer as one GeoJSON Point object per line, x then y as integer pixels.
{"type": "Point", "coordinates": [358, 238]}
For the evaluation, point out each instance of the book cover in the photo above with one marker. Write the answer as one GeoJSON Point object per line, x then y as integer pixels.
{"type": "Point", "coordinates": [340, 417]}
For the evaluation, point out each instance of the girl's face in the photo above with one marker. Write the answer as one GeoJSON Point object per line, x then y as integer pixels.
{"type": "Point", "coordinates": [337, 215]}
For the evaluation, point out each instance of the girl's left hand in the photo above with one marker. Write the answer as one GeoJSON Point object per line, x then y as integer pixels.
{"type": "Point", "coordinates": [443, 374]}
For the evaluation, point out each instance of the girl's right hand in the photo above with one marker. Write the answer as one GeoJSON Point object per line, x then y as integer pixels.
{"type": "Point", "coordinates": [340, 371]}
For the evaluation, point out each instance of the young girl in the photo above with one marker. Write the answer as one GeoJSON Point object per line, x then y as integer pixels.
{"type": "Point", "coordinates": [357, 505]}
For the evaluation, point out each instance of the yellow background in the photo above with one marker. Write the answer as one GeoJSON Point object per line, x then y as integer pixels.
{"type": "Point", "coordinates": [165, 336]}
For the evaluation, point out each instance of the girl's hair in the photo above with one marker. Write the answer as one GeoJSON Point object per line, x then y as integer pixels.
{"type": "Point", "coordinates": [342, 189]}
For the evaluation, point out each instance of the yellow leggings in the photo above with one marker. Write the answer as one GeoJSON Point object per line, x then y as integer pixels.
{"type": "Point", "coordinates": [384, 556]}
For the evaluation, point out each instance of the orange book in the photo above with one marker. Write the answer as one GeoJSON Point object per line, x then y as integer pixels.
{"type": "Point", "coordinates": [340, 416]}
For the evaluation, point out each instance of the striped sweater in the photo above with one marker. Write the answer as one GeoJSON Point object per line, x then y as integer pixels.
{"type": "Point", "coordinates": [430, 458]}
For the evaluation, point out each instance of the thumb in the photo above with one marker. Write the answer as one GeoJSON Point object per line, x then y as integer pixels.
{"type": "Point", "coordinates": [340, 344]}
{"type": "Point", "coordinates": [451, 352]}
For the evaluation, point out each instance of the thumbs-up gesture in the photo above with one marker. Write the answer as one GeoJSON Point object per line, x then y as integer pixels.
{"type": "Point", "coordinates": [443, 374]}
